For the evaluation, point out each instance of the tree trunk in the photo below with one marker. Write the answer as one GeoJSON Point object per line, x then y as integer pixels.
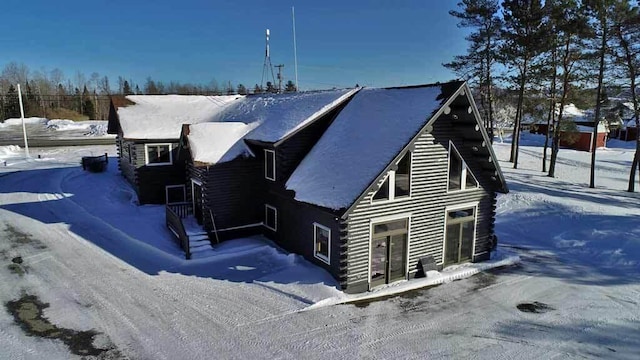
{"type": "Point", "coordinates": [565, 90]}
{"type": "Point", "coordinates": [594, 142]}
{"type": "Point", "coordinates": [516, 138]}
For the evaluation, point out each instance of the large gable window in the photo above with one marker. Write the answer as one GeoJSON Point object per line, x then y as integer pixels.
{"type": "Point", "coordinates": [322, 242]}
{"type": "Point", "coordinates": [398, 181]}
{"type": "Point", "coordinates": [460, 176]}
{"type": "Point", "coordinates": [270, 164]}
{"type": "Point", "coordinates": [158, 154]}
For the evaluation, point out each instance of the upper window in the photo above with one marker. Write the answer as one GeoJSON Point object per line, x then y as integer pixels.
{"type": "Point", "coordinates": [322, 242]}
{"type": "Point", "coordinates": [398, 182]}
{"type": "Point", "coordinates": [460, 176]}
{"type": "Point", "coordinates": [270, 217]}
{"type": "Point", "coordinates": [158, 154]}
{"type": "Point", "coordinates": [270, 164]}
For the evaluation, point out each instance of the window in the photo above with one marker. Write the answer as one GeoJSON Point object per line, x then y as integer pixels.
{"type": "Point", "coordinates": [175, 194]}
{"type": "Point", "coordinates": [158, 154]}
{"type": "Point", "coordinates": [270, 217]}
{"type": "Point", "coordinates": [460, 176]}
{"type": "Point", "coordinates": [460, 235]}
{"type": "Point", "coordinates": [270, 164]}
{"type": "Point", "coordinates": [322, 241]}
{"type": "Point", "coordinates": [398, 182]}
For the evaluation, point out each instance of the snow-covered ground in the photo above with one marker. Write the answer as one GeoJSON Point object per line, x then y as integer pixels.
{"type": "Point", "coordinates": [104, 264]}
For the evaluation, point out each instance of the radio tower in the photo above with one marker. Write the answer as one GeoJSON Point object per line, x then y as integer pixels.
{"type": "Point", "coordinates": [267, 67]}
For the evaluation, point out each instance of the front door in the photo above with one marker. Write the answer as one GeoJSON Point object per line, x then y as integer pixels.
{"type": "Point", "coordinates": [389, 252]}
{"type": "Point", "coordinates": [461, 226]}
{"type": "Point", "coordinates": [196, 196]}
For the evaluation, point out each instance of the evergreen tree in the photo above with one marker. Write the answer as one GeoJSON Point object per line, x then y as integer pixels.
{"type": "Point", "coordinates": [12, 106]}
{"type": "Point", "coordinates": [242, 90]}
{"type": "Point", "coordinates": [524, 34]}
{"type": "Point", "coordinates": [626, 53]}
{"type": "Point", "coordinates": [482, 17]}
{"type": "Point", "coordinates": [290, 87]}
{"type": "Point", "coordinates": [572, 29]}
{"type": "Point", "coordinates": [138, 92]}
{"type": "Point", "coordinates": [257, 89]}
{"type": "Point", "coordinates": [126, 88]}
{"type": "Point", "coordinates": [271, 88]}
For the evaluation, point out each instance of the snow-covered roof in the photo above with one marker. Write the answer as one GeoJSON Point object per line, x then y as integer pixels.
{"type": "Point", "coordinates": [364, 138]}
{"type": "Point", "coordinates": [215, 142]}
{"type": "Point", "coordinates": [602, 128]}
{"type": "Point", "coordinates": [279, 115]}
{"type": "Point", "coordinates": [162, 116]}
{"type": "Point", "coordinates": [572, 111]}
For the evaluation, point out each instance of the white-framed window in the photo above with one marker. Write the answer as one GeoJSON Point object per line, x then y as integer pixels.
{"type": "Point", "coordinates": [460, 176]}
{"type": "Point", "coordinates": [175, 194]}
{"type": "Point", "coordinates": [460, 233]}
{"type": "Point", "coordinates": [398, 182]}
{"type": "Point", "coordinates": [270, 217]}
{"type": "Point", "coordinates": [158, 154]}
{"type": "Point", "coordinates": [270, 164]}
{"type": "Point", "coordinates": [322, 243]}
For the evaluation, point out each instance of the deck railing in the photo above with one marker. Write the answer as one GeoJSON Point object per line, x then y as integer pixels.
{"type": "Point", "coordinates": [182, 209]}
{"type": "Point", "coordinates": [174, 215]}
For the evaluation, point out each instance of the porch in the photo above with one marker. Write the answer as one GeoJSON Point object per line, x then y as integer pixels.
{"type": "Point", "coordinates": [192, 238]}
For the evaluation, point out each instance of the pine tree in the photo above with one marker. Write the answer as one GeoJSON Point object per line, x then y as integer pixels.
{"type": "Point", "coordinates": [523, 35]}
{"type": "Point", "coordinates": [242, 90]}
{"type": "Point", "coordinates": [626, 52]}
{"type": "Point", "coordinates": [572, 29]}
{"type": "Point", "coordinates": [271, 88]}
{"type": "Point", "coordinates": [138, 92]}
{"type": "Point", "coordinates": [257, 89]}
{"type": "Point", "coordinates": [126, 88]}
{"type": "Point", "coordinates": [482, 17]}
{"type": "Point", "coordinates": [290, 87]}
{"type": "Point", "coordinates": [12, 106]}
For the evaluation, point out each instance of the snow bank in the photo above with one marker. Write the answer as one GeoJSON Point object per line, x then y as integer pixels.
{"type": "Point", "coordinates": [8, 151]}
{"type": "Point", "coordinates": [217, 142]}
{"type": "Point", "coordinates": [572, 110]}
{"type": "Point", "coordinates": [341, 165]}
{"type": "Point", "coordinates": [29, 120]}
{"type": "Point", "coordinates": [92, 127]}
{"type": "Point", "coordinates": [162, 116]}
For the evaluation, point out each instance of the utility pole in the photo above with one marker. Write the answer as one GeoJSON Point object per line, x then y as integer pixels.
{"type": "Point", "coordinates": [295, 50]}
{"type": "Point", "coordinates": [279, 77]}
{"type": "Point", "coordinates": [24, 129]}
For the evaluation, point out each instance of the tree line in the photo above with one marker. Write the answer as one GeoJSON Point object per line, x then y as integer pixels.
{"type": "Point", "coordinates": [548, 52]}
{"type": "Point", "coordinates": [52, 95]}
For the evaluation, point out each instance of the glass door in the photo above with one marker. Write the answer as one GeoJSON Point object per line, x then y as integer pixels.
{"type": "Point", "coordinates": [460, 234]}
{"type": "Point", "coordinates": [389, 252]}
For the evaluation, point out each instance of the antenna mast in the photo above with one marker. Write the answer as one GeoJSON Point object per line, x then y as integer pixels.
{"type": "Point", "coordinates": [295, 51]}
{"type": "Point", "coordinates": [267, 67]}
{"type": "Point", "coordinates": [279, 77]}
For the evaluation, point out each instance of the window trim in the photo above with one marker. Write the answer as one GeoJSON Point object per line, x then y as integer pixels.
{"type": "Point", "coordinates": [268, 207]}
{"type": "Point", "coordinates": [391, 175]}
{"type": "Point", "coordinates": [463, 174]}
{"type": "Point", "coordinates": [327, 259]}
{"type": "Point", "coordinates": [447, 209]}
{"type": "Point", "coordinates": [146, 154]}
{"type": "Point", "coordinates": [266, 164]}
{"type": "Point", "coordinates": [166, 193]}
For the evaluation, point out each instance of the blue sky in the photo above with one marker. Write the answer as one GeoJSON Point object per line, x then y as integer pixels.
{"type": "Point", "coordinates": [340, 43]}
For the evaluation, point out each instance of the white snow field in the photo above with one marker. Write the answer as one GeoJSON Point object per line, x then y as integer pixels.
{"type": "Point", "coordinates": [103, 263]}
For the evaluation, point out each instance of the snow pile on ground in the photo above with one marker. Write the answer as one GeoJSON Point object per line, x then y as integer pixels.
{"type": "Point", "coordinates": [162, 116]}
{"type": "Point", "coordinates": [218, 141]}
{"type": "Point", "coordinates": [17, 121]}
{"type": "Point", "coordinates": [9, 151]}
{"type": "Point", "coordinates": [92, 127]}
{"type": "Point", "coordinates": [572, 111]}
